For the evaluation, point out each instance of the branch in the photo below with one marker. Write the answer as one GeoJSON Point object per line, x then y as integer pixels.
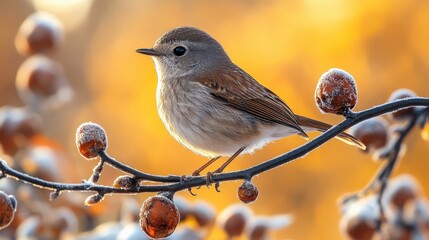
{"type": "Point", "coordinates": [176, 183]}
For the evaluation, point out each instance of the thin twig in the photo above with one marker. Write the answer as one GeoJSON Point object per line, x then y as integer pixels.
{"type": "Point", "coordinates": [138, 175]}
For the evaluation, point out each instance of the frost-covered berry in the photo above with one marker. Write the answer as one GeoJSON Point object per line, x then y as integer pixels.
{"type": "Point", "coordinates": [42, 161]}
{"type": "Point", "coordinates": [40, 32]}
{"type": "Point", "coordinates": [159, 216]}
{"type": "Point", "coordinates": [90, 139]}
{"type": "Point", "coordinates": [372, 132]}
{"type": "Point", "coordinates": [247, 192]}
{"type": "Point", "coordinates": [7, 209]}
{"type": "Point", "coordinates": [405, 113]}
{"type": "Point", "coordinates": [400, 190]}
{"type": "Point", "coordinates": [336, 92]}
{"type": "Point", "coordinates": [360, 219]}
{"type": "Point", "coordinates": [40, 75]}
{"type": "Point", "coordinates": [204, 213]}
{"type": "Point", "coordinates": [233, 219]}
{"type": "Point", "coordinates": [17, 126]}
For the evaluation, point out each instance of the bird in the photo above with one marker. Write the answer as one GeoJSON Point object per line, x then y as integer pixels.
{"type": "Point", "coordinates": [213, 107]}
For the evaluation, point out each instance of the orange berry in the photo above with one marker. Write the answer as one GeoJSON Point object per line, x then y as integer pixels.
{"type": "Point", "coordinates": [247, 192]}
{"type": "Point", "coordinates": [233, 219]}
{"type": "Point", "coordinates": [360, 228]}
{"type": "Point", "coordinates": [336, 92]}
{"type": "Point", "coordinates": [41, 76]}
{"type": "Point", "coordinates": [372, 132]}
{"type": "Point", "coordinates": [7, 209]}
{"type": "Point", "coordinates": [400, 190]}
{"type": "Point", "coordinates": [360, 218]}
{"type": "Point", "coordinates": [40, 32]}
{"type": "Point", "coordinates": [235, 224]}
{"type": "Point", "coordinates": [402, 196]}
{"type": "Point", "coordinates": [90, 139]}
{"type": "Point", "coordinates": [17, 126]}
{"type": "Point", "coordinates": [159, 216]}
{"type": "Point", "coordinates": [258, 232]}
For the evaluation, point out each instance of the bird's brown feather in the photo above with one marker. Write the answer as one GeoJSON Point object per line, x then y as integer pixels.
{"type": "Point", "coordinates": [239, 90]}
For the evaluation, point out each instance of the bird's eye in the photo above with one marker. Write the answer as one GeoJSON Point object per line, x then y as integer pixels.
{"type": "Point", "coordinates": [179, 51]}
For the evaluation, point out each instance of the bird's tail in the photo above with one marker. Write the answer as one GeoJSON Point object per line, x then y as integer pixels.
{"type": "Point", "coordinates": [322, 127]}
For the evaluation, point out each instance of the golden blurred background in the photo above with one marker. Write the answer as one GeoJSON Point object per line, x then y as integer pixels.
{"type": "Point", "coordinates": [285, 45]}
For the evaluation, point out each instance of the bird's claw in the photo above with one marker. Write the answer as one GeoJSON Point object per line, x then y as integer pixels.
{"type": "Point", "coordinates": [190, 191]}
{"type": "Point", "coordinates": [185, 178]}
{"type": "Point", "coordinates": [210, 181]}
{"type": "Point", "coordinates": [217, 186]}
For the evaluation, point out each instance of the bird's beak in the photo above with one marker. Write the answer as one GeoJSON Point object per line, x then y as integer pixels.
{"type": "Point", "coordinates": [148, 51]}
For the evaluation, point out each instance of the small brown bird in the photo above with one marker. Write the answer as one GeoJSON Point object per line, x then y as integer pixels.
{"type": "Point", "coordinates": [212, 106]}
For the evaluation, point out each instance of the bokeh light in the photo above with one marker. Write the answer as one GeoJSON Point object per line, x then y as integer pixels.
{"type": "Point", "coordinates": [285, 45]}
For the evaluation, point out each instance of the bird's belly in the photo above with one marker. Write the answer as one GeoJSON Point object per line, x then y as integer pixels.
{"type": "Point", "coordinates": [205, 126]}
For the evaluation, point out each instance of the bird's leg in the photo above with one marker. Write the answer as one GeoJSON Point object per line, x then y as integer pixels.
{"type": "Point", "coordinates": [219, 170]}
{"type": "Point", "coordinates": [198, 171]}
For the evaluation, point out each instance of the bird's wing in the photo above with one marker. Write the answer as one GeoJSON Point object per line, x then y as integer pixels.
{"type": "Point", "coordinates": [237, 89]}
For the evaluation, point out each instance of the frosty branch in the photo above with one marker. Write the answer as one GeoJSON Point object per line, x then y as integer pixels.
{"type": "Point", "coordinates": [173, 183]}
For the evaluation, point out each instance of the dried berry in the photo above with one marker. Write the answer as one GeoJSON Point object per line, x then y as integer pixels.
{"type": "Point", "coordinates": [336, 92]}
{"type": "Point", "coordinates": [247, 192]}
{"type": "Point", "coordinates": [7, 209]}
{"type": "Point", "coordinates": [405, 113]}
{"type": "Point", "coordinates": [159, 216]}
{"type": "Point", "coordinates": [372, 132]}
{"type": "Point", "coordinates": [40, 32]}
{"type": "Point", "coordinates": [90, 139]}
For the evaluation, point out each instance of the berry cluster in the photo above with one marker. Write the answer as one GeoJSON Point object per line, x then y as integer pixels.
{"type": "Point", "coordinates": [405, 213]}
